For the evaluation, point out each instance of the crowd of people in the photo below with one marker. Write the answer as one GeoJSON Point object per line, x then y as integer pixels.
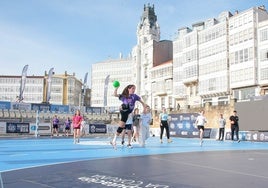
{"type": "Point", "coordinates": [136, 125]}
{"type": "Point", "coordinates": [75, 123]}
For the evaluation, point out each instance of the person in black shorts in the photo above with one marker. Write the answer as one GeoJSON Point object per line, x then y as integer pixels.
{"type": "Point", "coordinates": [67, 124]}
{"type": "Point", "coordinates": [55, 126]}
{"type": "Point", "coordinates": [128, 99]}
{"type": "Point", "coordinates": [200, 123]}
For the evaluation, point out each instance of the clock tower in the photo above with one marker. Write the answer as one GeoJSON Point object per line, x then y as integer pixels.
{"type": "Point", "coordinates": [148, 32]}
{"type": "Point", "coordinates": [148, 29]}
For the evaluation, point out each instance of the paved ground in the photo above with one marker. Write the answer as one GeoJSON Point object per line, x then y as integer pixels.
{"type": "Point", "coordinates": [57, 162]}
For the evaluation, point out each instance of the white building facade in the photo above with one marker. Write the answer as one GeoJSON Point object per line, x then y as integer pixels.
{"type": "Point", "coordinates": [116, 69]}
{"type": "Point", "coordinates": [65, 89]}
{"type": "Point", "coordinates": [10, 89]}
{"type": "Point", "coordinates": [215, 61]}
{"type": "Point", "coordinates": [218, 59]}
{"type": "Point", "coordinates": [263, 57]}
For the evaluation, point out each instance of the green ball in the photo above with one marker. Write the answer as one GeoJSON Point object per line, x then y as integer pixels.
{"type": "Point", "coordinates": [116, 83]}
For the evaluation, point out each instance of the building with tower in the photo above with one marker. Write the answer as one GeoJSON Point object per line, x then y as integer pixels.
{"type": "Point", "coordinates": [146, 57]}
{"type": "Point", "coordinates": [213, 61]}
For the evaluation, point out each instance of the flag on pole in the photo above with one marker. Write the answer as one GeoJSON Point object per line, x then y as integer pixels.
{"type": "Point", "coordinates": [36, 123]}
{"type": "Point", "coordinates": [49, 79]}
{"type": "Point", "coordinates": [85, 83]}
{"type": "Point", "coordinates": [105, 90]}
{"type": "Point", "coordinates": [22, 82]}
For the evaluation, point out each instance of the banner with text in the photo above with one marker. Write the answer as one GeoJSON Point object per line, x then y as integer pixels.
{"type": "Point", "coordinates": [183, 125]}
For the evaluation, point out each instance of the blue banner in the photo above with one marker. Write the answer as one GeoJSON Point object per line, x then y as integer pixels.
{"type": "Point", "coordinates": [41, 107]}
{"type": "Point", "coordinates": [59, 108]}
{"type": "Point", "coordinates": [20, 106]}
{"type": "Point", "coordinates": [94, 110]}
{"type": "Point", "coordinates": [5, 105]}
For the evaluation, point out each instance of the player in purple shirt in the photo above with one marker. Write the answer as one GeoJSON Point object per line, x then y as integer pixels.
{"type": "Point", "coordinates": [128, 98]}
{"type": "Point", "coordinates": [55, 126]}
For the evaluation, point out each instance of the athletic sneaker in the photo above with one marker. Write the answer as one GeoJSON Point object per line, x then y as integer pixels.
{"type": "Point", "coordinates": [169, 141]}
{"type": "Point", "coordinates": [113, 144]}
{"type": "Point", "coordinates": [201, 143]}
{"type": "Point", "coordinates": [129, 146]}
{"type": "Point", "coordinates": [122, 142]}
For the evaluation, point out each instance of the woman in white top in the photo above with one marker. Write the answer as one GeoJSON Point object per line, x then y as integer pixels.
{"type": "Point", "coordinates": [200, 123]}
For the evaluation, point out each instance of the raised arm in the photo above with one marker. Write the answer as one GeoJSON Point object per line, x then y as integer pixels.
{"type": "Point", "coordinates": [143, 104]}
{"type": "Point", "coordinates": [115, 92]}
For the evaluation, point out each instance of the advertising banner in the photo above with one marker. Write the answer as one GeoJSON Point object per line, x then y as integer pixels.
{"type": "Point", "coordinates": [20, 106]}
{"type": "Point", "coordinates": [105, 90]}
{"type": "Point", "coordinates": [22, 82]}
{"type": "Point", "coordinates": [43, 128]}
{"type": "Point", "coordinates": [17, 128]}
{"type": "Point", "coordinates": [94, 110]}
{"type": "Point", "coordinates": [59, 108]}
{"type": "Point", "coordinates": [97, 128]}
{"type": "Point", "coordinates": [183, 125]}
{"type": "Point", "coordinates": [41, 107]}
{"type": "Point", "coordinates": [3, 127]}
{"type": "Point", "coordinates": [258, 136]}
{"type": "Point", "coordinates": [5, 105]}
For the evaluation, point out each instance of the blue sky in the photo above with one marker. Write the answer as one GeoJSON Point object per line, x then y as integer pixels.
{"type": "Point", "coordinates": [70, 35]}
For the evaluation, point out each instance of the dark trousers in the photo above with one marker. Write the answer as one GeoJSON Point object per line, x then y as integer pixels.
{"type": "Point", "coordinates": [164, 126]}
{"type": "Point", "coordinates": [221, 133]}
{"type": "Point", "coordinates": [234, 129]}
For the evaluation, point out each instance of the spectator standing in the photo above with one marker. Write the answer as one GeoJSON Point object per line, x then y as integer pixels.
{"type": "Point", "coordinates": [67, 124]}
{"type": "Point", "coordinates": [146, 118]}
{"type": "Point", "coordinates": [164, 124]}
{"type": "Point", "coordinates": [222, 123]}
{"type": "Point", "coordinates": [55, 125]}
{"type": "Point", "coordinates": [234, 125]}
{"type": "Point", "coordinates": [76, 122]}
{"type": "Point", "coordinates": [136, 125]}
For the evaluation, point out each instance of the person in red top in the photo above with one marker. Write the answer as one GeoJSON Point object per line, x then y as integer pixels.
{"type": "Point", "coordinates": [76, 123]}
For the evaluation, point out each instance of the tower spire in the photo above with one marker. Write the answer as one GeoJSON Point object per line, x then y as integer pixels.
{"type": "Point", "coordinates": [148, 28]}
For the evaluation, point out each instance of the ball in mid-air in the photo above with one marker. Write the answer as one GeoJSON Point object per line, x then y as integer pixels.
{"type": "Point", "coordinates": [116, 83]}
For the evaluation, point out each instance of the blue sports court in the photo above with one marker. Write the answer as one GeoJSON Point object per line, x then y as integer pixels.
{"type": "Point", "coordinates": [57, 162]}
